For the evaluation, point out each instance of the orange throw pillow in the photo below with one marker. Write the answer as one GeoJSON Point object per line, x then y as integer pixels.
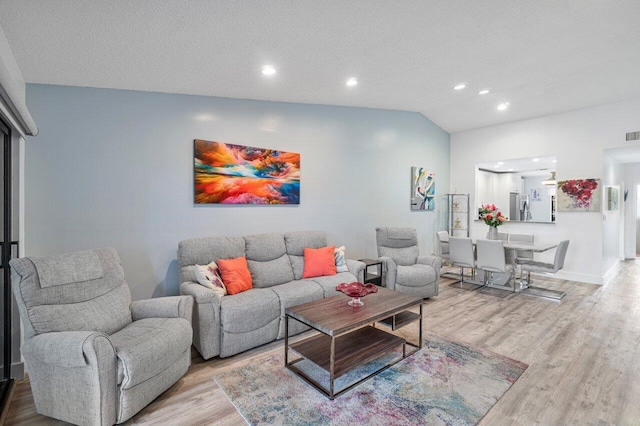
{"type": "Point", "coordinates": [318, 262]}
{"type": "Point", "coordinates": [235, 274]}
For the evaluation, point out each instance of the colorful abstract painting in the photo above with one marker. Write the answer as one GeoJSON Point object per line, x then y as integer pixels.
{"type": "Point", "coordinates": [238, 174]}
{"type": "Point", "coordinates": [423, 189]}
{"type": "Point", "coordinates": [579, 195]}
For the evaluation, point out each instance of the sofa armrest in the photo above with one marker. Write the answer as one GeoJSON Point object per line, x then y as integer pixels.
{"type": "Point", "coordinates": [163, 307]}
{"type": "Point", "coordinates": [355, 267]}
{"type": "Point", "coordinates": [206, 318]}
{"type": "Point", "coordinates": [434, 261]}
{"type": "Point", "coordinates": [73, 376]}
{"type": "Point", "coordinates": [391, 269]}
{"type": "Point", "coordinates": [67, 349]}
{"type": "Point", "coordinates": [200, 293]}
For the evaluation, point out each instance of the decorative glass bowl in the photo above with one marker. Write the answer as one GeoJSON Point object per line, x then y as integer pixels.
{"type": "Point", "coordinates": [356, 290]}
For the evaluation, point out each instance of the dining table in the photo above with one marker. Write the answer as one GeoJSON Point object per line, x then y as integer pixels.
{"type": "Point", "coordinates": [501, 280]}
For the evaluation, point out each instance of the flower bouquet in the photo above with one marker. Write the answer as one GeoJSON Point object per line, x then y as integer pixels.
{"type": "Point", "coordinates": [490, 215]}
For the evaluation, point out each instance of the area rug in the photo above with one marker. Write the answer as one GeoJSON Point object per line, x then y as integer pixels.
{"type": "Point", "coordinates": [445, 383]}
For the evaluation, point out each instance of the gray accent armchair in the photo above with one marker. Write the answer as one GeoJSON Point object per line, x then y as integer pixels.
{"type": "Point", "coordinates": [93, 356]}
{"type": "Point", "coordinates": [406, 270]}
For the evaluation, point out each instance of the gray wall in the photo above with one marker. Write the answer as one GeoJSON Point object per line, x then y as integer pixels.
{"type": "Point", "coordinates": [115, 168]}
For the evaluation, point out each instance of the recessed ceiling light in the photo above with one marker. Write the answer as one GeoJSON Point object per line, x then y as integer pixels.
{"type": "Point", "coordinates": [500, 163]}
{"type": "Point", "coordinates": [510, 170]}
{"type": "Point", "coordinates": [503, 106]}
{"type": "Point", "coordinates": [352, 82]}
{"type": "Point", "coordinates": [483, 92]}
{"type": "Point", "coordinates": [460, 86]}
{"type": "Point", "coordinates": [554, 161]}
{"type": "Point", "coordinates": [535, 160]}
{"type": "Point", "coordinates": [268, 70]}
{"type": "Point", "coordinates": [496, 166]}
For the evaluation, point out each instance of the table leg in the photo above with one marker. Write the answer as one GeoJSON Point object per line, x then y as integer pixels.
{"type": "Point", "coordinates": [420, 332]}
{"type": "Point", "coordinates": [286, 340]}
{"type": "Point", "coordinates": [332, 366]}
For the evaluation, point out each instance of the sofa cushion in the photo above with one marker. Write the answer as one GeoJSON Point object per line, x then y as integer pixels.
{"type": "Point", "coordinates": [296, 242]}
{"type": "Point", "coordinates": [268, 260]}
{"type": "Point", "coordinates": [147, 347]}
{"type": "Point", "coordinates": [292, 294]}
{"type": "Point", "coordinates": [319, 262]}
{"type": "Point", "coordinates": [209, 276]}
{"type": "Point", "coordinates": [249, 310]}
{"type": "Point", "coordinates": [340, 259]}
{"type": "Point", "coordinates": [100, 304]}
{"type": "Point", "coordinates": [235, 275]}
{"type": "Point", "coordinates": [270, 273]}
{"type": "Point", "coordinates": [330, 282]}
{"type": "Point", "coordinates": [415, 275]}
{"type": "Point", "coordinates": [264, 247]}
{"type": "Point", "coordinates": [402, 256]}
{"type": "Point", "coordinates": [201, 251]}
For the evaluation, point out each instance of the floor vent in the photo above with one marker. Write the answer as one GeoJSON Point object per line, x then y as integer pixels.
{"type": "Point", "coordinates": [633, 136]}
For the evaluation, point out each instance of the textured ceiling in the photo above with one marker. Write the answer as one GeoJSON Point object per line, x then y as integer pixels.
{"type": "Point", "coordinates": [541, 56]}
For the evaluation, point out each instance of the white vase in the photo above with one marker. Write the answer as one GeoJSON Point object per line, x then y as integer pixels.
{"type": "Point", "coordinates": [493, 233]}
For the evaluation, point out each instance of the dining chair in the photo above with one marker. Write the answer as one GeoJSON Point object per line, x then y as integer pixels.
{"type": "Point", "coordinates": [513, 255]}
{"type": "Point", "coordinates": [530, 266]}
{"type": "Point", "coordinates": [492, 258]}
{"type": "Point", "coordinates": [443, 242]}
{"type": "Point", "coordinates": [461, 254]}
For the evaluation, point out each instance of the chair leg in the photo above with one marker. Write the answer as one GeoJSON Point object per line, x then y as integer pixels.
{"type": "Point", "coordinates": [461, 276]}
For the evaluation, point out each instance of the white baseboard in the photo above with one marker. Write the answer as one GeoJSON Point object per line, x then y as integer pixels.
{"type": "Point", "coordinates": [611, 272]}
{"type": "Point", "coordinates": [581, 278]}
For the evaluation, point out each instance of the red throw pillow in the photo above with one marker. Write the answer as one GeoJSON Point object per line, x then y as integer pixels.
{"type": "Point", "coordinates": [319, 262]}
{"type": "Point", "coordinates": [235, 274]}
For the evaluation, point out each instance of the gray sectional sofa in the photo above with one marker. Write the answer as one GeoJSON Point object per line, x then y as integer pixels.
{"type": "Point", "coordinates": [228, 325]}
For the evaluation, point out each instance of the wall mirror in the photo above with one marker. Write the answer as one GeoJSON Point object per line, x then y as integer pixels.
{"type": "Point", "coordinates": [523, 189]}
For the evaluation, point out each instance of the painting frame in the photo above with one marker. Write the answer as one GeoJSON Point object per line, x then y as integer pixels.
{"type": "Point", "coordinates": [423, 189]}
{"type": "Point", "coordinates": [234, 174]}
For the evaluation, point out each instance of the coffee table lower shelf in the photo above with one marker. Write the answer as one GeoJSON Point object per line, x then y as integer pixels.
{"type": "Point", "coordinates": [350, 351]}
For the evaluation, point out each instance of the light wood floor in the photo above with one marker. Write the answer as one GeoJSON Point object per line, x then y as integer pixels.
{"type": "Point", "coordinates": [583, 355]}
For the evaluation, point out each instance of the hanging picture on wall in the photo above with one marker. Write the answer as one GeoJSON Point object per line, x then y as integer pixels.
{"type": "Point", "coordinates": [423, 189]}
{"type": "Point", "coordinates": [536, 194]}
{"type": "Point", "coordinates": [579, 195]}
{"type": "Point", "coordinates": [238, 174]}
{"type": "Point", "coordinates": [613, 197]}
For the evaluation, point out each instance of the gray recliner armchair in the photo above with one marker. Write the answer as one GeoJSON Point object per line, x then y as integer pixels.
{"type": "Point", "coordinates": [93, 356]}
{"type": "Point", "coordinates": [406, 270]}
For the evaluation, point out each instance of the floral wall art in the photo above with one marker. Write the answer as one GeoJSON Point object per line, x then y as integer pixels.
{"type": "Point", "coordinates": [579, 195]}
{"type": "Point", "coordinates": [238, 174]}
{"type": "Point", "coordinates": [423, 189]}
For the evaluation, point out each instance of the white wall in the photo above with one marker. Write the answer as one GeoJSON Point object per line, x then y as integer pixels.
{"type": "Point", "coordinates": [613, 220]}
{"type": "Point", "coordinates": [577, 139]}
{"type": "Point", "coordinates": [7, 60]}
{"type": "Point", "coordinates": [115, 167]}
{"type": "Point", "coordinates": [631, 182]}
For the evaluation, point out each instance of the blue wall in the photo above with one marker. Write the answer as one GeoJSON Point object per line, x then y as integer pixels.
{"type": "Point", "coordinates": [115, 168]}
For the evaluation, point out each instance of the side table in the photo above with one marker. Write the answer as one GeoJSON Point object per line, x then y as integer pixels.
{"type": "Point", "coordinates": [372, 277]}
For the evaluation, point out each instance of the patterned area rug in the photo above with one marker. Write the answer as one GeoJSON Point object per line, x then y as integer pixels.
{"type": "Point", "coordinates": [445, 383]}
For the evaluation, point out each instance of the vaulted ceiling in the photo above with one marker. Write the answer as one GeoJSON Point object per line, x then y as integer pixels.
{"type": "Point", "coordinates": [542, 57]}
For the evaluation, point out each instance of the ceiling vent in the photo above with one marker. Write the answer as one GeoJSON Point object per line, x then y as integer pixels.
{"type": "Point", "coordinates": [633, 136]}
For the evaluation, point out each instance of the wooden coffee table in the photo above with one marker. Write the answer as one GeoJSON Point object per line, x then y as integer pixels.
{"type": "Point", "coordinates": [348, 335]}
